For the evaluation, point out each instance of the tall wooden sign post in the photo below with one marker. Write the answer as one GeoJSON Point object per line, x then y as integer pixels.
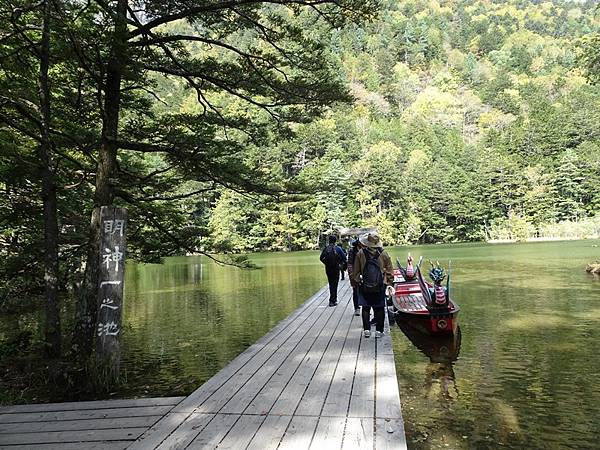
{"type": "Point", "coordinates": [113, 227]}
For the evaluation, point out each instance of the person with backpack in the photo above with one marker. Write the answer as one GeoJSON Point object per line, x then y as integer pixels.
{"type": "Point", "coordinates": [372, 272]}
{"type": "Point", "coordinates": [331, 257]}
{"type": "Point", "coordinates": [344, 263]}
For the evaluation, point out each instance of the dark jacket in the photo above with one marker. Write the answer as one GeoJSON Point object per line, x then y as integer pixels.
{"type": "Point", "coordinates": [341, 257]}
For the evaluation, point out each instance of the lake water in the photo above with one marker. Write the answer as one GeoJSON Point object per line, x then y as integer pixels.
{"type": "Point", "coordinates": [523, 375]}
{"type": "Point", "coordinates": [525, 372]}
{"type": "Point", "coordinates": [187, 318]}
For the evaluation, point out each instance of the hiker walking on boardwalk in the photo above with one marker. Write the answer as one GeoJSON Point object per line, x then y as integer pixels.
{"type": "Point", "coordinates": [372, 272]}
{"type": "Point", "coordinates": [344, 263]}
{"type": "Point", "coordinates": [352, 251]}
{"type": "Point", "coordinates": [332, 256]}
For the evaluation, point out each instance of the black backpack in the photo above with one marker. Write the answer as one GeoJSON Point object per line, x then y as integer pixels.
{"type": "Point", "coordinates": [372, 277]}
{"type": "Point", "coordinates": [330, 257]}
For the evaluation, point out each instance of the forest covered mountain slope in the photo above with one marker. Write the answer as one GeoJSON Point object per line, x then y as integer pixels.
{"type": "Point", "coordinates": [472, 120]}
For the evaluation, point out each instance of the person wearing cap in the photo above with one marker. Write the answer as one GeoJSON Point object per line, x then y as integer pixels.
{"type": "Point", "coordinates": [352, 251]}
{"type": "Point", "coordinates": [372, 247]}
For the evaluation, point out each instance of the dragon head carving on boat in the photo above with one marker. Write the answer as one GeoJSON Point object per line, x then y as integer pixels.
{"type": "Point", "coordinates": [439, 296]}
{"type": "Point", "coordinates": [409, 272]}
{"type": "Point", "coordinates": [410, 268]}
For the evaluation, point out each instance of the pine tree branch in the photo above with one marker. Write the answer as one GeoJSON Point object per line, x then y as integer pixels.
{"type": "Point", "coordinates": [174, 239]}
{"type": "Point", "coordinates": [179, 37]}
{"type": "Point", "coordinates": [15, 125]}
{"type": "Point", "coordinates": [142, 147]}
{"type": "Point", "coordinates": [141, 180]}
{"type": "Point", "coordinates": [121, 193]}
{"type": "Point", "coordinates": [207, 8]}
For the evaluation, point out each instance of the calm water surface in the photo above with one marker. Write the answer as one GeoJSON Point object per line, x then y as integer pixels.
{"type": "Point", "coordinates": [188, 318]}
{"type": "Point", "coordinates": [523, 375]}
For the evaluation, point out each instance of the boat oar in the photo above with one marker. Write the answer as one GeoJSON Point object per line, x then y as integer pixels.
{"type": "Point", "coordinates": [448, 281]}
{"type": "Point", "coordinates": [423, 284]}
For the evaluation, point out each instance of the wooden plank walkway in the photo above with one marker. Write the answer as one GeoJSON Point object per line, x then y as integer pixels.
{"type": "Point", "coordinates": [312, 382]}
{"type": "Point", "coordinates": [101, 425]}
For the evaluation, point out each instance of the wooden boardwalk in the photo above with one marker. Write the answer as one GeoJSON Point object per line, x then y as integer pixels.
{"type": "Point", "coordinates": [312, 382]}
{"type": "Point", "coordinates": [98, 425]}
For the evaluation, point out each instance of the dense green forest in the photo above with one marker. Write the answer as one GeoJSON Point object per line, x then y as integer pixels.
{"type": "Point", "coordinates": [230, 128]}
{"type": "Point", "coordinates": [473, 120]}
{"type": "Point", "coordinates": [95, 111]}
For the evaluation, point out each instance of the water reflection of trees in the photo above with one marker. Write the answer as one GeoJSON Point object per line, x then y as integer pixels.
{"type": "Point", "coordinates": [191, 317]}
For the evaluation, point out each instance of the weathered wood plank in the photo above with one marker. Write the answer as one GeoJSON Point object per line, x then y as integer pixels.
{"type": "Point", "coordinates": [387, 392]}
{"type": "Point", "coordinates": [294, 391]}
{"type": "Point", "coordinates": [186, 432]}
{"type": "Point", "coordinates": [112, 445]}
{"type": "Point", "coordinates": [389, 434]}
{"type": "Point", "coordinates": [338, 396]}
{"type": "Point", "coordinates": [329, 433]}
{"type": "Point", "coordinates": [85, 414]}
{"type": "Point", "coordinates": [359, 433]}
{"type": "Point", "coordinates": [241, 433]}
{"type": "Point", "coordinates": [268, 394]}
{"type": "Point", "coordinates": [74, 425]}
{"type": "Point", "coordinates": [362, 401]}
{"type": "Point", "coordinates": [389, 426]}
{"type": "Point", "coordinates": [277, 370]}
{"type": "Point", "coordinates": [270, 433]}
{"type": "Point", "coordinates": [48, 437]}
{"type": "Point", "coordinates": [95, 404]}
{"type": "Point", "coordinates": [152, 438]}
{"type": "Point", "coordinates": [213, 433]}
{"type": "Point", "coordinates": [314, 396]}
{"type": "Point", "coordinates": [299, 433]}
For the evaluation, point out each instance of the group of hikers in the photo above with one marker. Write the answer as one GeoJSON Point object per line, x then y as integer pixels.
{"type": "Point", "coordinates": [371, 276]}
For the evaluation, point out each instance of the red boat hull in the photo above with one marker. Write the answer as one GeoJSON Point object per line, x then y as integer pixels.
{"type": "Point", "coordinates": [410, 306]}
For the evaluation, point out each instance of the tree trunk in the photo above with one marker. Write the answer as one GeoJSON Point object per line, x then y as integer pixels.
{"type": "Point", "coordinates": [52, 325]}
{"type": "Point", "coordinates": [85, 312]}
{"type": "Point", "coordinates": [87, 307]}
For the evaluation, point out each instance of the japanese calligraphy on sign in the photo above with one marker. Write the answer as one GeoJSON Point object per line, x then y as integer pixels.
{"type": "Point", "coordinates": [112, 255]}
{"type": "Point", "coordinates": [108, 303]}
{"type": "Point", "coordinates": [108, 329]}
{"type": "Point", "coordinates": [113, 227]}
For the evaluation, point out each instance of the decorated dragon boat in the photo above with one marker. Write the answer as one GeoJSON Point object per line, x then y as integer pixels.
{"type": "Point", "coordinates": [422, 305]}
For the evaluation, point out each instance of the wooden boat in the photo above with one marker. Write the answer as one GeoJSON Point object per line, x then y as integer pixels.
{"type": "Point", "coordinates": [426, 307]}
